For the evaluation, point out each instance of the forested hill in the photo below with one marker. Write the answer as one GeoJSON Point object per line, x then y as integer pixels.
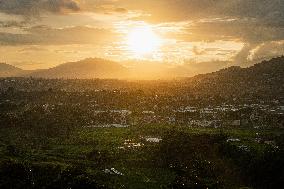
{"type": "Point", "coordinates": [263, 79]}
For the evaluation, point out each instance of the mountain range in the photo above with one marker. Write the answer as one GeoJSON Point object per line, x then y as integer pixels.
{"type": "Point", "coordinates": [84, 69]}
{"type": "Point", "coordinates": [101, 68]}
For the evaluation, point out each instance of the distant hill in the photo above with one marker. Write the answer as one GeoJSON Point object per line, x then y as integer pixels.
{"type": "Point", "coordinates": [7, 70]}
{"type": "Point", "coordinates": [266, 74]}
{"type": "Point", "coordinates": [84, 69]}
{"type": "Point", "coordinates": [265, 78]}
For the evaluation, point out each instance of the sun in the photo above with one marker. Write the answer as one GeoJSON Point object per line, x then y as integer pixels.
{"type": "Point", "coordinates": [143, 41]}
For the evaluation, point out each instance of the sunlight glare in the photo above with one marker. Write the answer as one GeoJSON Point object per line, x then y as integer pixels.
{"type": "Point", "coordinates": [143, 40]}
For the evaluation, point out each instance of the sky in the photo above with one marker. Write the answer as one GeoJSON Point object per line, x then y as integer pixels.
{"type": "Point", "coordinates": [36, 34]}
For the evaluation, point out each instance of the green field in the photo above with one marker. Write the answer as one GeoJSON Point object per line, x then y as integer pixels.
{"type": "Point", "coordinates": [131, 158]}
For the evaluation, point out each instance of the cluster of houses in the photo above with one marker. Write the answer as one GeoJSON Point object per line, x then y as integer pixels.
{"type": "Point", "coordinates": [106, 106]}
{"type": "Point", "coordinates": [218, 116]}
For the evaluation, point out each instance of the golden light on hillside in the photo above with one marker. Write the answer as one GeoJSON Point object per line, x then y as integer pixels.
{"type": "Point", "coordinates": [143, 41]}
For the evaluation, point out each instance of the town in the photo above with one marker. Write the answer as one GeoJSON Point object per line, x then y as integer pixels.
{"type": "Point", "coordinates": [126, 106]}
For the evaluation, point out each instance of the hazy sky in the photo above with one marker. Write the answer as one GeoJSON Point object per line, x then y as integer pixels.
{"type": "Point", "coordinates": [44, 33]}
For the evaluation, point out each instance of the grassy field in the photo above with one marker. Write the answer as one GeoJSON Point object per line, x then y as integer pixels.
{"type": "Point", "coordinates": [135, 157]}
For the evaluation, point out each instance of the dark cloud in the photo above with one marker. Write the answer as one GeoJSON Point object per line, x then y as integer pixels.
{"type": "Point", "coordinates": [44, 35]}
{"type": "Point", "coordinates": [32, 48]}
{"type": "Point", "coordinates": [31, 8]}
{"type": "Point", "coordinates": [180, 10]}
{"type": "Point", "coordinates": [120, 10]}
{"type": "Point", "coordinates": [247, 30]}
{"type": "Point", "coordinates": [58, 5]}
{"type": "Point", "coordinates": [12, 23]}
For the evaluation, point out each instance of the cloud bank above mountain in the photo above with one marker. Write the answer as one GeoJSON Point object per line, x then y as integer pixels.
{"type": "Point", "coordinates": [237, 31]}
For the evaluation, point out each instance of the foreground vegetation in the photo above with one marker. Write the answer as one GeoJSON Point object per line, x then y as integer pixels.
{"type": "Point", "coordinates": [135, 157]}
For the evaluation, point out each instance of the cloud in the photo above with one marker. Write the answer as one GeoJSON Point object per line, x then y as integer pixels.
{"type": "Point", "coordinates": [251, 32]}
{"type": "Point", "coordinates": [32, 48]}
{"type": "Point", "coordinates": [191, 68]}
{"type": "Point", "coordinates": [241, 59]}
{"type": "Point", "coordinates": [247, 30]}
{"type": "Point", "coordinates": [253, 22]}
{"type": "Point", "coordinates": [12, 23]}
{"type": "Point", "coordinates": [181, 10]}
{"type": "Point", "coordinates": [120, 10]}
{"type": "Point", "coordinates": [31, 8]}
{"type": "Point", "coordinates": [257, 24]}
{"type": "Point", "coordinates": [267, 50]}
{"type": "Point", "coordinates": [44, 35]}
{"type": "Point", "coordinates": [57, 5]}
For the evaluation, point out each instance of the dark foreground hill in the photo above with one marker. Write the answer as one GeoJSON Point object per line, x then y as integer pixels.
{"type": "Point", "coordinates": [265, 78]}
